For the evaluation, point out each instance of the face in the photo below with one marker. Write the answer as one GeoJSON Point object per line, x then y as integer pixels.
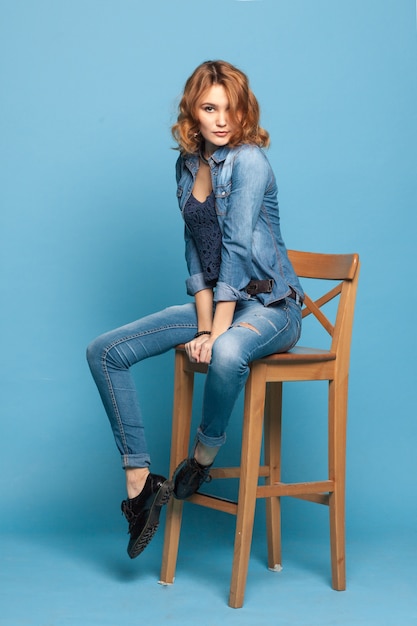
{"type": "Point", "coordinates": [213, 116]}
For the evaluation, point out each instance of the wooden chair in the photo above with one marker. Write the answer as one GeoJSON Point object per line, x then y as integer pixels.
{"type": "Point", "coordinates": [262, 404]}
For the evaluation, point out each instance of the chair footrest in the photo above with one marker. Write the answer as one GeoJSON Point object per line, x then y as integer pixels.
{"type": "Point", "coordinates": [298, 490]}
{"type": "Point", "coordinates": [214, 502]}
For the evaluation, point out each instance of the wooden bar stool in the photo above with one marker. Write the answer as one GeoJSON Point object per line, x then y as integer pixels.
{"type": "Point", "coordinates": [262, 412]}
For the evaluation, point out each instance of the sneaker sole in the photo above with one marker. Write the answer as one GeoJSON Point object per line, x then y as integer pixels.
{"type": "Point", "coordinates": [162, 497]}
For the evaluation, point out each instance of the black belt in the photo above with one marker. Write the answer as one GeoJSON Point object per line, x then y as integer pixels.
{"type": "Point", "coordinates": [259, 286]}
{"type": "Point", "coordinates": [265, 286]}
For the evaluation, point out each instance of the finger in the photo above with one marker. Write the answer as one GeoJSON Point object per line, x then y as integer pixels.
{"type": "Point", "coordinates": [193, 351]}
{"type": "Point", "coordinates": [205, 354]}
{"type": "Point", "coordinates": [189, 352]}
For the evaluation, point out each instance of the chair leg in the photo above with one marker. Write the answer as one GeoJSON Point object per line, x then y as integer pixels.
{"type": "Point", "coordinates": [337, 471]}
{"type": "Point", "coordinates": [250, 458]}
{"type": "Point", "coordinates": [272, 444]}
{"type": "Point", "coordinates": [181, 426]}
{"type": "Point", "coordinates": [182, 410]}
{"type": "Point", "coordinates": [171, 541]}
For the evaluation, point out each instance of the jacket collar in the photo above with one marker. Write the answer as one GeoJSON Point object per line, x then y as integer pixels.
{"type": "Point", "coordinates": [218, 156]}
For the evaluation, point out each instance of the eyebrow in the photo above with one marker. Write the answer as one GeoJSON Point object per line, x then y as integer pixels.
{"type": "Point", "coordinates": [215, 106]}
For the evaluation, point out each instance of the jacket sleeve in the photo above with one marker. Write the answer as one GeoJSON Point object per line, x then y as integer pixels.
{"type": "Point", "coordinates": [250, 177]}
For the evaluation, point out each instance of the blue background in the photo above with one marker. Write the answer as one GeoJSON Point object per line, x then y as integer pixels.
{"type": "Point", "coordinates": [91, 237]}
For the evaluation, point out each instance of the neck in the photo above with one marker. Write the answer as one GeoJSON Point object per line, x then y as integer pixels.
{"type": "Point", "coordinates": [204, 156]}
{"type": "Point", "coordinates": [208, 149]}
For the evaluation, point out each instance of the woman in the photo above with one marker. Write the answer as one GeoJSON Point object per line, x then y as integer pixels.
{"type": "Point", "coordinates": [247, 298]}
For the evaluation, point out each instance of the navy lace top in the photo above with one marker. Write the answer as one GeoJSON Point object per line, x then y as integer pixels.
{"type": "Point", "coordinates": [201, 220]}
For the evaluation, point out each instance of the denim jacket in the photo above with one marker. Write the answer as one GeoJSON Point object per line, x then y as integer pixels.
{"type": "Point", "coordinates": [247, 210]}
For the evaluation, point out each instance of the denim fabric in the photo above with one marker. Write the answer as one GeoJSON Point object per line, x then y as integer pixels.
{"type": "Point", "coordinates": [248, 215]}
{"type": "Point", "coordinates": [275, 329]}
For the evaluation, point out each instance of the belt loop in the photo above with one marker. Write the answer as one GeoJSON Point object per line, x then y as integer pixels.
{"type": "Point", "coordinates": [295, 296]}
{"type": "Point", "coordinates": [298, 299]}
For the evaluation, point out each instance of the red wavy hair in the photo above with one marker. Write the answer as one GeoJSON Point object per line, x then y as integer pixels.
{"type": "Point", "coordinates": [244, 107]}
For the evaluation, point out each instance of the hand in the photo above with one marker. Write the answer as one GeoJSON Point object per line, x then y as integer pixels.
{"type": "Point", "coordinates": [199, 350]}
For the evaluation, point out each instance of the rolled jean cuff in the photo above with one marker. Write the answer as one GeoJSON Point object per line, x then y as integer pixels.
{"type": "Point", "coordinates": [135, 460]}
{"type": "Point", "coordinates": [212, 442]}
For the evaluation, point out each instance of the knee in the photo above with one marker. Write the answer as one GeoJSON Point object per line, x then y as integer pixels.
{"type": "Point", "coordinates": [94, 351]}
{"type": "Point", "coordinates": [227, 356]}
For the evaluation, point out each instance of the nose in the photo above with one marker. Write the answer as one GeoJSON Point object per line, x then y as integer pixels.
{"type": "Point", "coordinates": [221, 119]}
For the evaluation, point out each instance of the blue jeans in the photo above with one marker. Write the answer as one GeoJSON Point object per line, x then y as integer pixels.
{"type": "Point", "coordinates": [273, 329]}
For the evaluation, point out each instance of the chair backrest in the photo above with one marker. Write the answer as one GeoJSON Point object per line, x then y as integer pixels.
{"type": "Point", "coordinates": [343, 268]}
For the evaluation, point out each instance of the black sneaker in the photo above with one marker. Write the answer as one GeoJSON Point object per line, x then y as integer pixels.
{"type": "Point", "coordinates": [188, 477]}
{"type": "Point", "coordinates": [143, 512]}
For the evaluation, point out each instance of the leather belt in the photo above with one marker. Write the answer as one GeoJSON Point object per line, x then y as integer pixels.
{"type": "Point", "coordinates": [265, 286]}
{"type": "Point", "coordinates": [259, 286]}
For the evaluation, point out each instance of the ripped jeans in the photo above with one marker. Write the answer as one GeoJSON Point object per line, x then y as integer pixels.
{"type": "Point", "coordinates": [274, 328]}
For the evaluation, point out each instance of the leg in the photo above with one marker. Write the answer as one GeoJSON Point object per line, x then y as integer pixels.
{"type": "Point", "coordinates": [272, 429]}
{"type": "Point", "coordinates": [135, 480]}
{"type": "Point", "coordinates": [249, 468]}
{"type": "Point", "coordinates": [110, 358]}
{"type": "Point", "coordinates": [337, 471]}
{"type": "Point", "coordinates": [256, 331]}
{"type": "Point", "coordinates": [181, 426]}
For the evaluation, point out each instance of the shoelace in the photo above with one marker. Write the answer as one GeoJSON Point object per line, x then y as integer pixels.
{"type": "Point", "coordinates": [129, 513]}
{"type": "Point", "coordinates": [202, 472]}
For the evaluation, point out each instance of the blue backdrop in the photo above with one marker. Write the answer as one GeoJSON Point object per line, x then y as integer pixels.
{"type": "Point", "coordinates": [91, 237]}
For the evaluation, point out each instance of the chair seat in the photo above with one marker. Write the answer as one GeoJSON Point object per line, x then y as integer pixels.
{"type": "Point", "coordinates": [300, 354]}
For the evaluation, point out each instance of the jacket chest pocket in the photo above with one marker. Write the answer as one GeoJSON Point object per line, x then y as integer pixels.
{"type": "Point", "coordinates": [222, 195]}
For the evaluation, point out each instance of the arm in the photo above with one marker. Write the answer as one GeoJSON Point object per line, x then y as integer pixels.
{"type": "Point", "coordinates": [204, 306]}
{"type": "Point", "coordinates": [223, 319]}
{"type": "Point", "coordinates": [240, 211]}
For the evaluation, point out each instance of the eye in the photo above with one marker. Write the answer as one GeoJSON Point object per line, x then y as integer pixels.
{"type": "Point", "coordinates": [208, 108]}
